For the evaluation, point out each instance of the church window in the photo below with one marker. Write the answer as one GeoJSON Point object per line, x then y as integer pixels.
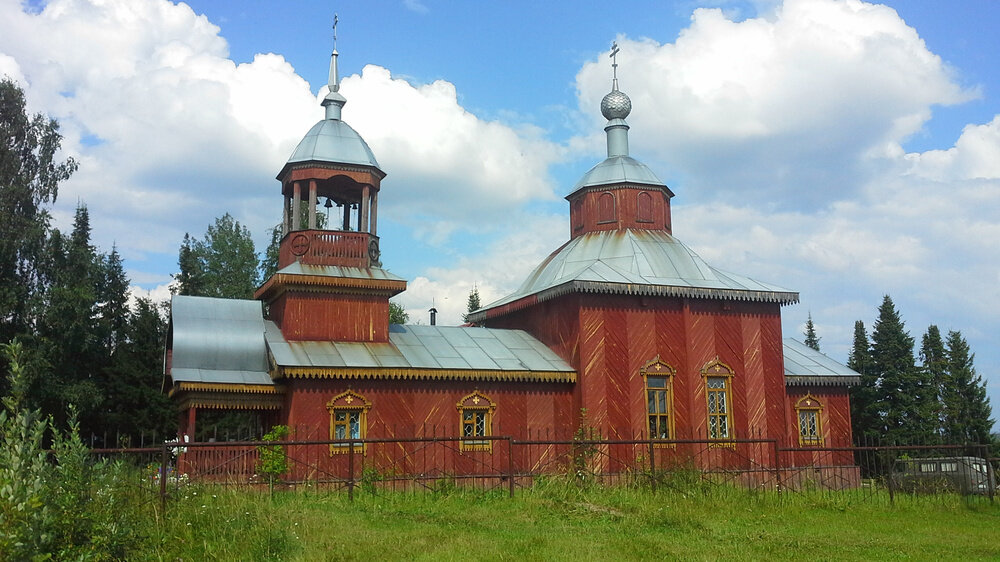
{"type": "Point", "coordinates": [807, 410]}
{"type": "Point", "coordinates": [475, 414]}
{"type": "Point", "coordinates": [718, 393]}
{"type": "Point", "coordinates": [659, 399]}
{"type": "Point", "coordinates": [644, 207]}
{"type": "Point", "coordinates": [577, 215]}
{"type": "Point", "coordinates": [348, 420]}
{"type": "Point", "coordinates": [606, 207]}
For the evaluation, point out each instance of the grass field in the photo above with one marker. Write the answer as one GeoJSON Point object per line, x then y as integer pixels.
{"type": "Point", "coordinates": [559, 520]}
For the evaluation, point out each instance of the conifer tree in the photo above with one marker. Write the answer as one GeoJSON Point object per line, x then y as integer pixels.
{"type": "Point", "coordinates": [968, 407]}
{"type": "Point", "coordinates": [810, 333]}
{"type": "Point", "coordinates": [934, 364]}
{"type": "Point", "coordinates": [900, 392]}
{"type": "Point", "coordinates": [865, 417]}
{"type": "Point", "coordinates": [473, 303]}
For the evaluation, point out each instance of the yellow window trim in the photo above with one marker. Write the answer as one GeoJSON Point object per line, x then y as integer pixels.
{"type": "Point", "coordinates": [658, 368]}
{"type": "Point", "coordinates": [809, 403]}
{"type": "Point", "coordinates": [717, 369]}
{"type": "Point", "coordinates": [348, 401]}
{"type": "Point", "coordinates": [481, 403]}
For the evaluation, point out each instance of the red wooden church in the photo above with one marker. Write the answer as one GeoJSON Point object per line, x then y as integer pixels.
{"type": "Point", "coordinates": [623, 322]}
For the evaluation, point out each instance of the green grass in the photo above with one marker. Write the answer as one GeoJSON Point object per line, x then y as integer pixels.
{"type": "Point", "coordinates": [559, 521]}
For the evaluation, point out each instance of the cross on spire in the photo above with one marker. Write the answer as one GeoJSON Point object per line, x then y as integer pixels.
{"type": "Point", "coordinates": [335, 20]}
{"type": "Point", "coordinates": [614, 64]}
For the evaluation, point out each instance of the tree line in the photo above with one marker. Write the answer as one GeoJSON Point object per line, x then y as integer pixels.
{"type": "Point", "coordinates": [66, 301]}
{"type": "Point", "coordinates": [935, 396]}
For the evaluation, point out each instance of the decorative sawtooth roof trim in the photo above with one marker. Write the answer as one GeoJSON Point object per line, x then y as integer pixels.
{"type": "Point", "coordinates": [406, 373]}
{"type": "Point", "coordinates": [621, 185]}
{"type": "Point", "coordinates": [231, 401]}
{"type": "Point", "coordinates": [823, 380]}
{"type": "Point", "coordinates": [611, 288]}
{"type": "Point", "coordinates": [280, 283]}
{"type": "Point", "coordinates": [325, 165]}
{"type": "Point", "coordinates": [227, 387]}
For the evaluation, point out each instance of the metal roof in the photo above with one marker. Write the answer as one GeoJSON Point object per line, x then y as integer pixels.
{"type": "Point", "coordinates": [423, 347]}
{"type": "Point", "coordinates": [298, 268]}
{"type": "Point", "coordinates": [806, 366]}
{"type": "Point", "coordinates": [618, 169]}
{"type": "Point", "coordinates": [646, 262]}
{"type": "Point", "coordinates": [217, 341]}
{"type": "Point", "coordinates": [332, 140]}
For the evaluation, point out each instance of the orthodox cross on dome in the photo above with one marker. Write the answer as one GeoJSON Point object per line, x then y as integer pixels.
{"type": "Point", "coordinates": [334, 80]}
{"type": "Point", "coordinates": [614, 64]}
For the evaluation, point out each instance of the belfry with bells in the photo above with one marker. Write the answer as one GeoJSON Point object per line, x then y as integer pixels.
{"type": "Point", "coordinates": [329, 284]}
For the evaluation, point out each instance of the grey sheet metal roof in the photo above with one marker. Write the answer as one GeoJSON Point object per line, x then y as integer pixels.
{"type": "Point", "coordinates": [646, 262]}
{"type": "Point", "coordinates": [423, 347]}
{"type": "Point", "coordinates": [217, 341]}
{"type": "Point", "coordinates": [297, 268]}
{"type": "Point", "coordinates": [806, 366]}
{"type": "Point", "coordinates": [618, 169]}
{"type": "Point", "coordinates": [332, 140]}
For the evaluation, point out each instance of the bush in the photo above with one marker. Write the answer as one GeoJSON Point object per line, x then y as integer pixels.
{"type": "Point", "coordinates": [66, 507]}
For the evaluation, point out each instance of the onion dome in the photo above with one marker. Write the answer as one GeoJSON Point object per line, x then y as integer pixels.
{"type": "Point", "coordinates": [616, 105]}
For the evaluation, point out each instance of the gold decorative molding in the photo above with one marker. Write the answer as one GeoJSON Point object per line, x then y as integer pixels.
{"type": "Point", "coordinates": [410, 373]}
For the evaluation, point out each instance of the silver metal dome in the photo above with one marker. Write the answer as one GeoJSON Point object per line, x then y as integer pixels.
{"type": "Point", "coordinates": [616, 105]}
{"type": "Point", "coordinates": [334, 141]}
{"type": "Point", "coordinates": [618, 169]}
{"type": "Point", "coordinates": [647, 262]}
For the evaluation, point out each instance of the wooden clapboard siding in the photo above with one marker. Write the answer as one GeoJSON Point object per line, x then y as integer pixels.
{"type": "Point", "coordinates": [304, 316]}
{"type": "Point", "coordinates": [701, 349]}
{"type": "Point", "coordinates": [773, 365]}
{"type": "Point", "coordinates": [671, 346]}
{"type": "Point", "coordinates": [755, 387]}
{"type": "Point", "coordinates": [835, 418]}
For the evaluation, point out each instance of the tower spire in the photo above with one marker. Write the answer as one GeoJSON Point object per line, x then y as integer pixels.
{"type": "Point", "coordinates": [615, 107]}
{"type": "Point", "coordinates": [334, 102]}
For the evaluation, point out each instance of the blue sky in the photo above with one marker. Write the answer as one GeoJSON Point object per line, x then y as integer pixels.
{"type": "Point", "coordinates": [845, 150]}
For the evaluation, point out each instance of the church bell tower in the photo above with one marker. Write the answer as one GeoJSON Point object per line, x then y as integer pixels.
{"type": "Point", "coordinates": [329, 285]}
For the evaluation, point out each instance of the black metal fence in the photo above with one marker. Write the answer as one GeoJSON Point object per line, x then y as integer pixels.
{"type": "Point", "coordinates": [437, 463]}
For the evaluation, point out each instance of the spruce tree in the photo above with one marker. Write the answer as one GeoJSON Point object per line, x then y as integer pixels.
{"type": "Point", "coordinates": [934, 364]}
{"type": "Point", "coordinates": [473, 303]}
{"type": "Point", "coordinates": [967, 404]}
{"type": "Point", "coordinates": [810, 333]}
{"type": "Point", "coordinates": [865, 417]}
{"type": "Point", "coordinates": [901, 389]}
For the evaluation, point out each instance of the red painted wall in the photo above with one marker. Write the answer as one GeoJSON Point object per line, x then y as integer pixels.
{"type": "Point", "coordinates": [619, 334]}
{"type": "Point", "coordinates": [835, 419]}
{"type": "Point", "coordinates": [304, 316]}
{"type": "Point", "coordinates": [590, 210]}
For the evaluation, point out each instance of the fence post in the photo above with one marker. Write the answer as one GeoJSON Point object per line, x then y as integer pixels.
{"type": "Point", "coordinates": [777, 465]}
{"type": "Point", "coordinates": [350, 471]}
{"type": "Point", "coordinates": [990, 475]}
{"type": "Point", "coordinates": [510, 464]}
{"type": "Point", "coordinates": [163, 480]}
{"type": "Point", "coordinates": [890, 479]}
{"type": "Point", "coordinates": [652, 465]}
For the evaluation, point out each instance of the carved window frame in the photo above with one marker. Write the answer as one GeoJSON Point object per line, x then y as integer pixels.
{"type": "Point", "coordinates": [471, 409]}
{"type": "Point", "coordinates": [716, 373]}
{"type": "Point", "coordinates": [809, 409]}
{"type": "Point", "coordinates": [350, 404]}
{"type": "Point", "coordinates": [657, 369]}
